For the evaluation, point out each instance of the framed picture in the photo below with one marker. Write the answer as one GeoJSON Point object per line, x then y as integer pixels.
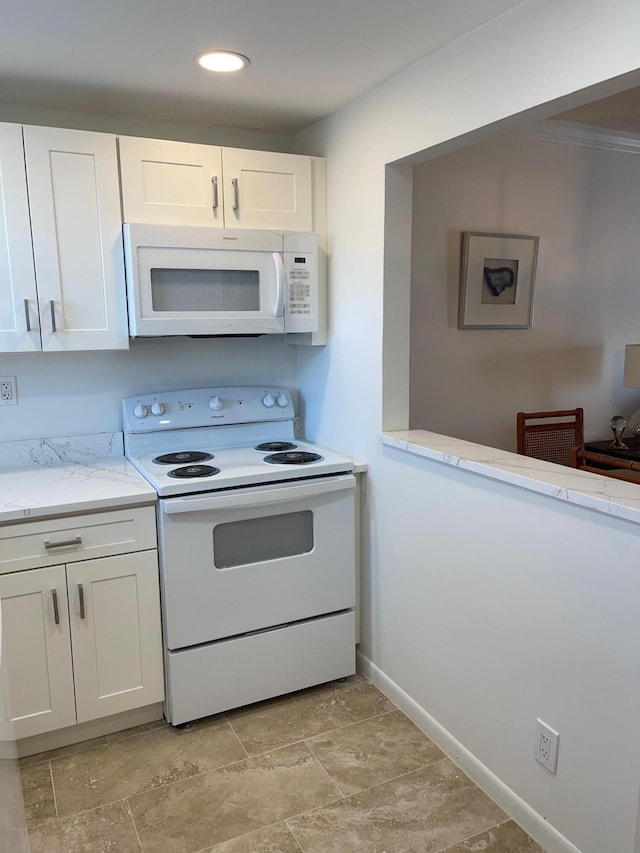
{"type": "Point", "coordinates": [497, 280]}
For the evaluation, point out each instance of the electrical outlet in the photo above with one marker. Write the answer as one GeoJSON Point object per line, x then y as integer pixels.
{"type": "Point", "coordinates": [8, 391]}
{"type": "Point", "coordinates": [546, 746]}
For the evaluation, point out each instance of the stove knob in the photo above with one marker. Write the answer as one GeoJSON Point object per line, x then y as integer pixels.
{"type": "Point", "coordinates": [216, 403]}
{"type": "Point", "coordinates": [282, 401]}
{"type": "Point", "coordinates": [157, 408]}
{"type": "Point", "coordinates": [268, 401]}
{"type": "Point", "coordinates": [141, 411]}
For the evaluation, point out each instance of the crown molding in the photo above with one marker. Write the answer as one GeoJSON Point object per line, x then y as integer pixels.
{"type": "Point", "coordinates": [579, 135]}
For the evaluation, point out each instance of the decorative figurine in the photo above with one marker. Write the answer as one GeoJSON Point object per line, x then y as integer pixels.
{"type": "Point", "coordinates": [618, 425]}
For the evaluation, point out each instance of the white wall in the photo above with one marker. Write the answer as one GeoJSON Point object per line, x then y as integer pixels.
{"type": "Point", "coordinates": [583, 204]}
{"type": "Point", "coordinates": [80, 393]}
{"type": "Point", "coordinates": [458, 572]}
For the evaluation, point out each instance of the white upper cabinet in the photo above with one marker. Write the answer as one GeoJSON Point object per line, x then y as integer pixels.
{"type": "Point", "coordinates": [169, 183]}
{"type": "Point", "coordinates": [263, 189]}
{"type": "Point", "coordinates": [72, 179]}
{"type": "Point", "coordinates": [178, 183]}
{"type": "Point", "coordinates": [18, 298]}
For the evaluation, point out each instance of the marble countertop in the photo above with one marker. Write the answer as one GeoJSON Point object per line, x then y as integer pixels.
{"type": "Point", "coordinates": [67, 475]}
{"type": "Point", "coordinates": [603, 494]}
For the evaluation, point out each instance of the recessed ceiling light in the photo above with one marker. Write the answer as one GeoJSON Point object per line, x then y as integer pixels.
{"type": "Point", "coordinates": [222, 60]}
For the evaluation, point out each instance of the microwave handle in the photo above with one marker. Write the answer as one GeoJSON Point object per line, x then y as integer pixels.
{"type": "Point", "coordinates": [278, 308]}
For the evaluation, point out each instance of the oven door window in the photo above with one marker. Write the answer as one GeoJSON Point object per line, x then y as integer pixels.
{"type": "Point", "coordinates": [257, 540]}
{"type": "Point", "coordinates": [217, 290]}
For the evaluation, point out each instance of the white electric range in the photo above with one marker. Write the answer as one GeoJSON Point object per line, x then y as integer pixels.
{"type": "Point", "coordinates": [256, 542]}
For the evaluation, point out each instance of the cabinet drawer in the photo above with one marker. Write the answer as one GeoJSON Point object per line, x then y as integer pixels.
{"type": "Point", "coordinates": [31, 545]}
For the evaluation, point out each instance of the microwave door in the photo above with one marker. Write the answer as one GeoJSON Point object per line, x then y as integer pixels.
{"type": "Point", "coordinates": [193, 291]}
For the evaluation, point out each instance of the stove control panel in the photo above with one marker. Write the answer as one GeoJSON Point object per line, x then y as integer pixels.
{"type": "Point", "coordinates": [198, 407]}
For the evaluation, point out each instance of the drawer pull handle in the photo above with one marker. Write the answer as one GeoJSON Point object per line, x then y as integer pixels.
{"type": "Point", "coordinates": [63, 543]}
{"type": "Point", "coordinates": [56, 612]}
{"type": "Point", "coordinates": [81, 597]}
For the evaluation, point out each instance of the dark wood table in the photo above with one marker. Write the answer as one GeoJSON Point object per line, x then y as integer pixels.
{"type": "Point", "coordinates": [632, 442]}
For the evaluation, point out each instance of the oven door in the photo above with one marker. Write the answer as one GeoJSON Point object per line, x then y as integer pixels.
{"type": "Point", "coordinates": [248, 559]}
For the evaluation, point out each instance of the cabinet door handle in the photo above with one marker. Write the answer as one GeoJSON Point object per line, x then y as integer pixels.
{"type": "Point", "coordinates": [236, 197]}
{"type": "Point", "coordinates": [27, 317]}
{"type": "Point", "coordinates": [56, 611]}
{"type": "Point", "coordinates": [214, 187]}
{"type": "Point", "coordinates": [52, 308]}
{"type": "Point", "coordinates": [81, 597]}
{"type": "Point", "coordinates": [63, 543]}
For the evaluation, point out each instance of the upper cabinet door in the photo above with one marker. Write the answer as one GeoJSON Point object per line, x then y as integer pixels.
{"type": "Point", "coordinates": [170, 183]}
{"type": "Point", "coordinates": [263, 189]}
{"type": "Point", "coordinates": [19, 325]}
{"type": "Point", "coordinates": [76, 224]}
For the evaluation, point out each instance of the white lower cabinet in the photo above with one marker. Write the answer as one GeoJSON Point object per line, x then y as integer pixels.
{"type": "Point", "coordinates": [37, 651]}
{"type": "Point", "coordinates": [82, 640]}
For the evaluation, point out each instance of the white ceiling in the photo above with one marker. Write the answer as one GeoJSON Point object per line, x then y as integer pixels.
{"type": "Point", "coordinates": [136, 57]}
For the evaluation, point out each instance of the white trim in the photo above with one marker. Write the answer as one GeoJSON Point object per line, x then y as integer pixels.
{"type": "Point", "coordinates": [533, 823]}
{"type": "Point", "coordinates": [87, 731]}
{"type": "Point", "coordinates": [580, 135]}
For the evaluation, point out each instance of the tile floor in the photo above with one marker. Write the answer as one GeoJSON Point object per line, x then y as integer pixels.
{"type": "Point", "coordinates": [333, 769]}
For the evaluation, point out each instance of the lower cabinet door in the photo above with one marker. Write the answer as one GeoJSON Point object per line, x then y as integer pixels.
{"type": "Point", "coordinates": [36, 653]}
{"type": "Point", "coordinates": [116, 637]}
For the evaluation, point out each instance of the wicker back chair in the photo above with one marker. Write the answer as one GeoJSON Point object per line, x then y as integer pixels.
{"type": "Point", "coordinates": [550, 435]}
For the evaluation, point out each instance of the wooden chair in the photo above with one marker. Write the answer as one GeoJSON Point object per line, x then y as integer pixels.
{"type": "Point", "coordinates": [607, 466]}
{"type": "Point", "coordinates": [550, 435]}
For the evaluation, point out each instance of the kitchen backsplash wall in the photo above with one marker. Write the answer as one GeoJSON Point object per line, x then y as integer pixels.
{"type": "Point", "coordinates": [80, 393]}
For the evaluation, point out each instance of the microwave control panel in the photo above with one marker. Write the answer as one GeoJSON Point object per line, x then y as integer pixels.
{"type": "Point", "coordinates": [301, 275]}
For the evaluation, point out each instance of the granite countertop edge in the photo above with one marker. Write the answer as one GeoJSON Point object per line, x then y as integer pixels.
{"type": "Point", "coordinates": [602, 494]}
{"type": "Point", "coordinates": [42, 478]}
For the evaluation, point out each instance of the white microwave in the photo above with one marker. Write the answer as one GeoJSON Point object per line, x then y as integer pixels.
{"type": "Point", "coordinates": [184, 280]}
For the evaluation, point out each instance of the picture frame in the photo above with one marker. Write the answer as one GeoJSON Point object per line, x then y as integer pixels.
{"type": "Point", "coordinates": [497, 281]}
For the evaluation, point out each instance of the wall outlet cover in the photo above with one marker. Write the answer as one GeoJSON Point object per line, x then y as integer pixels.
{"type": "Point", "coordinates": [546, 746]}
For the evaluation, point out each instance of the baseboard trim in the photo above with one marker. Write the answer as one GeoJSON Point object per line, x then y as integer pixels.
{"type": "Point", "coordinates": [533, 823]}
{"type": "Point", "coordinates": [87, 731]}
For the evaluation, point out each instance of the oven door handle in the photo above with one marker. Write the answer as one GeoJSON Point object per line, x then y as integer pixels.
{"type": "Point", "coordinates": [249, 498]}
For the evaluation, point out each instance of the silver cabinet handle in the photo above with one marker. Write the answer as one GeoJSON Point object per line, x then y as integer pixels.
{"type": "Point", "coordinates": [81, 597]}
{"type": "Point", "coordinates": [214, 187]}
{"type": "Point", "coordinates": [52, 308]}
{"type": "Point", "coordinates": [27, 318]}
{"type": "Point", "coordinates": [56, 612]}
{"type": "Point", "coordinates": [63, 543]}
{"type": "Point", "coordinates": [236, 197]}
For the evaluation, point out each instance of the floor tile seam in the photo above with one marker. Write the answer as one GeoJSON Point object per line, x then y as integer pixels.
{"type": "Point", "coordinates": [184, 779]}
{"type": "Point", "coordinates": [443, 757]}
{"type": "Point", "coordinates": [53, 791]}
{"type": "Point", "coordinates": [91, 809]}
{"type": "Point", "coordinates": [362, 791]}
{"type": "Point", "coordinates": [129, 737]}
{"type": "Point", "coordinates": [133, 821]}
{"type": "Point", "coordinates": [226, 716]}
{"type": "Point", "coordinates": [304, 738]}
{"type": "Point", "coordinates": [472, 835]}
{"type": "Point", "coordinates": [295, 837]}
{"type": "Point", "coordinates": [246, 835]}
{"type": "Point", "coordinates": [326, 772]}
{"type": "Point", "coordinates": [58, 757]}
{"type": "Point", "coordinates": [165, 785]}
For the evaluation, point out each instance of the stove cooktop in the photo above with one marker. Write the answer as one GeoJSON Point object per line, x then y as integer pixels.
{"type": "Point", "coordinates": [209, 439]}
